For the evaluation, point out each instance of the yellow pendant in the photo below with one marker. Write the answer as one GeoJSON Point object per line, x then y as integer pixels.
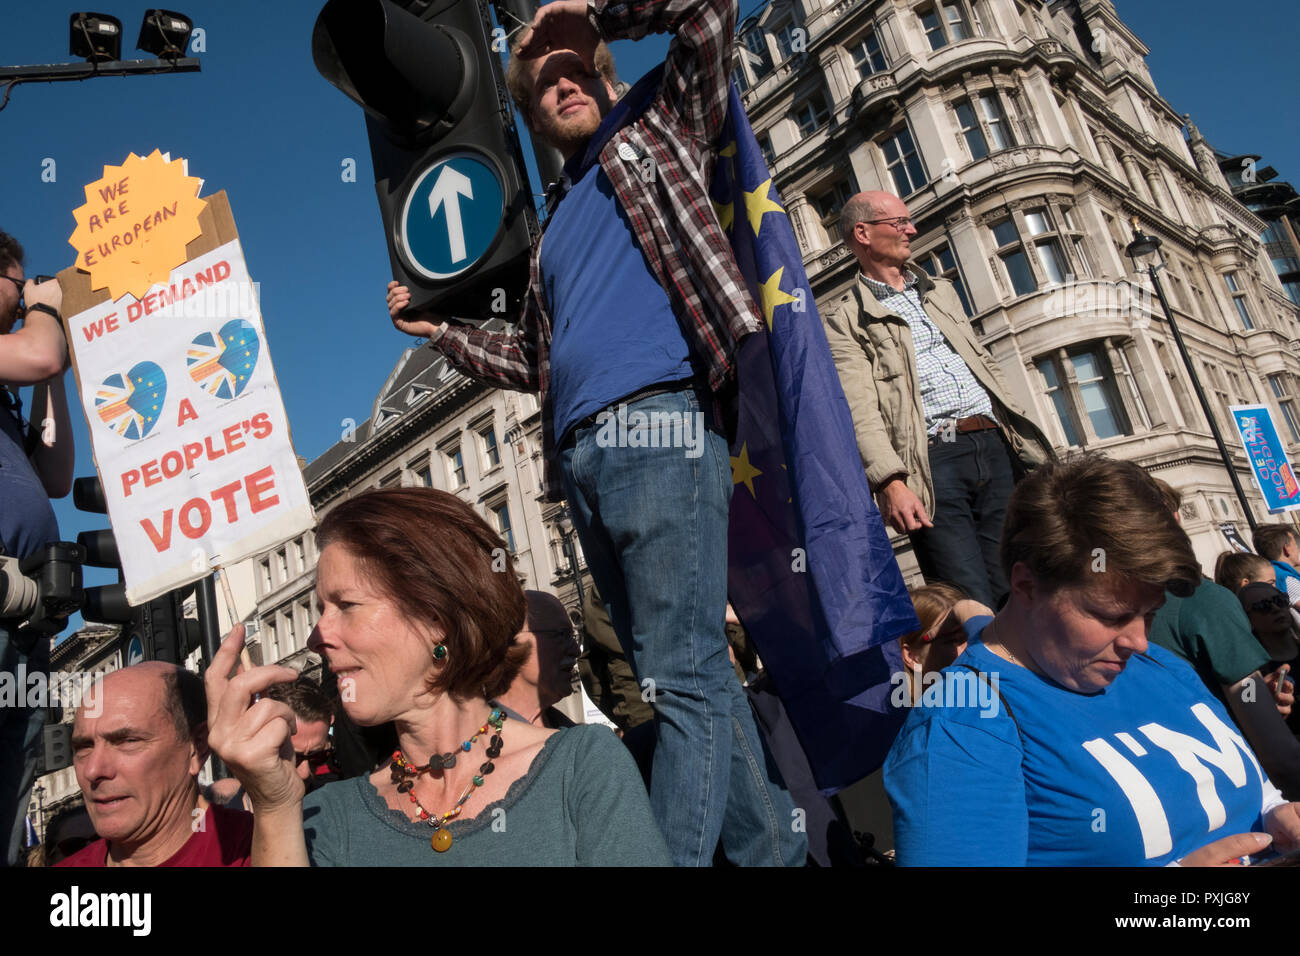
{"type": "Point", "coordinates": [441, 840]}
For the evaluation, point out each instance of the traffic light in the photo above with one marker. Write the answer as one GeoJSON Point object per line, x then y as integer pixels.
{"type": "Point", "coordinates": [58, 746]}
{"type": "Point", "coordinates": [106, 603]}
{"type": "Point", "coordinates": [170, 636]}
{"type": "Point", "coordinates": [453, 192]}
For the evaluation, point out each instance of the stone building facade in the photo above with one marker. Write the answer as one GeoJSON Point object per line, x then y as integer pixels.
{"type": "Point", "coordinates": [1024, 138]}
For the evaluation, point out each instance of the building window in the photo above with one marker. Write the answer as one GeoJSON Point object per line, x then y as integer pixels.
{"type": "Point", "coordinates": [423, 473]}
{"type": "Point", "coordinates": [501, 513]}
{"type": "Point", "coordinates": [300, 555]}
{"type": "Point", "coordinates": [812, 114]}
{"type": "Point", "coordinates": [982, 121]}
{"type": "Point", "coordinates": [758, 54]}
{"type": "Point", "coordinates": [948, 22]}
{"type": "Point", "coordinates": [1284, 400]}
{"type": "Point", "coordinates": [996, 119]}
{"type": "Point", "coordinates": [1047, 247]}
{"type": "Point", "coordinates": [741, 79]}
{"type": "Point", "coordinates": [266, 575]}
{"type": "Point", "coordinates": [456, 467]}
{"type": "Point", "coordinates": [272, 644]}
{"type": "Point", "coordinates": [1238, 299]}
{"type": "Point", "coordinates": [903, 162]}
{"type": "Point", "coordinates": [941, 264]}
{"type": "Point", "coordinates": [785, 40]}
{"type": "Point", "coordinates": [868, 58]}
{"type": "Point", "coordinates": [1082, 382]}
{"type": "Point", "coordinates": [970, 129]}
{"type": "Point", "coordinates": [830, 203]}
{"type": "Point", "coordinates": [282, 564]}
{"type": "Point", "coordinates": [491, 453]}
{"type": "Point", "coordinates": [1012, 254]}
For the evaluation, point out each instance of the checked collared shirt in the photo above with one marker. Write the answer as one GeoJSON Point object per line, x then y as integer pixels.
{"type": "Point", "coordinates": [949, 390]}
{"type": "Point", "coordinates": [660, 163]}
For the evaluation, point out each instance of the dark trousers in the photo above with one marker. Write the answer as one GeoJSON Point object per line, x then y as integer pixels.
{"type": "Point", "coordinates": [973, 478]}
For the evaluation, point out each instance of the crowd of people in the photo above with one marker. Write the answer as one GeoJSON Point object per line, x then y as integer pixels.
{"type": "Point", "coordinates": [1078, 692]}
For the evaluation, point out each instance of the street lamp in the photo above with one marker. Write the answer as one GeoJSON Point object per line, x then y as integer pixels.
{"type": "Point", "coordinates": [97, 38]}
{"type": "Point", "coordinates": [564, 521]}
{"type": "Point", "coordinates": [39, 793]}
{"type": "Point", "coordinates": [1144, 252]}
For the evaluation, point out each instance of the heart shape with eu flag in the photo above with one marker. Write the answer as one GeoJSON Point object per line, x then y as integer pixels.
{"type": "Point", "coordinates": [131, 403]}
{"type": "Point", "coordinates": [222, 363]}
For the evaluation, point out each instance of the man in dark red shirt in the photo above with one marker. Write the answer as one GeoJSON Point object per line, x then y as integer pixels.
{"type": "Point", "coordinates": [139, 741]}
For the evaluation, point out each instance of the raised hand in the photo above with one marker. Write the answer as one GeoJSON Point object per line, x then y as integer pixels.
{"type": "Point", "coordinates": [252, 737]}
{"type": "Point", "coordinates": [420, 324]}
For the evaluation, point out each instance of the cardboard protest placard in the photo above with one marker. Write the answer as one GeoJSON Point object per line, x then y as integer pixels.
{"type": "Point", "coordinates": [187, 425]}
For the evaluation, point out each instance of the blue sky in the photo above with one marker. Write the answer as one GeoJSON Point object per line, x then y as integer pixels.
{"type": "Point", "coordinates": [260, 123]}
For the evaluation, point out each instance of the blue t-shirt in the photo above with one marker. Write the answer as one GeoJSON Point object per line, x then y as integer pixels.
{"type": "Point", "coordinates": [1141, 773]}
{"type": "Point", "coordinates": [613, 331]}
{"type": "Point", "coordinates": [27, 520]}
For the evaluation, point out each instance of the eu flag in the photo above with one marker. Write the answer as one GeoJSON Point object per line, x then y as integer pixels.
{"type": "Point", "coordinates": [811, 572]}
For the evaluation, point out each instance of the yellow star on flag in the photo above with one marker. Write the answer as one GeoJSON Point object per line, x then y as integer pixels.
{"type": "Point", "coordinates": [772, 295]}
{"type": "Point", "coordinates": [743, 471]}
{"type": "Point", "coordinates": [757, 205]}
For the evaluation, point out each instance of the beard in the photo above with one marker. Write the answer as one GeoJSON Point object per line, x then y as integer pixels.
{"type": "Point", "coordinates": [569, 136]}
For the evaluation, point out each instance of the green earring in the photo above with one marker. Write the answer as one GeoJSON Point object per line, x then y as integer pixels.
{"type": "Point", "coordinates": [439, 651]}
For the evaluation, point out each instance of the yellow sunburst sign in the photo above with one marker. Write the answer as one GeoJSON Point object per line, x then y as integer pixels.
{"type": "Point", "coordinates": [135, 224]}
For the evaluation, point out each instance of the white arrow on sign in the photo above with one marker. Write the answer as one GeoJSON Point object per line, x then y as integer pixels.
{"type": "Point", "coordinates": [451, 184]}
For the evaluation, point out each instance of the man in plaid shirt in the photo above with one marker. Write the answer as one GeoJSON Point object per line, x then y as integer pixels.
{"type": "Point", "coordinates": [633, 313]}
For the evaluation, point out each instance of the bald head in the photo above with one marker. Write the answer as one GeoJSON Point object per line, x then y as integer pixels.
{"type": "Point", "coordinates": [878, 230]}
{"type": "Point", "coordinates": [861, 208]}
{"type": "Point", "coordinates": [178, 692]}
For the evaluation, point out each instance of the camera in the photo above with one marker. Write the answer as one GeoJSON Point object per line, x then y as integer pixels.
{"type": "Point", "coordinates": [38, 592]}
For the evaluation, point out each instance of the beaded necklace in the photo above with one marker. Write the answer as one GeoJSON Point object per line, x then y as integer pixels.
{"type": "Point", "coordinates": [405, 773]}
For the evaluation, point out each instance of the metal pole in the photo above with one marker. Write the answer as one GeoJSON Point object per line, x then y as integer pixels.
{"type": "Point", "coordinates": [510, 14]}
{"type": "Point", "coordinates": [205, 602]}
{"type": "Point", "coordinates": [1200, 395]}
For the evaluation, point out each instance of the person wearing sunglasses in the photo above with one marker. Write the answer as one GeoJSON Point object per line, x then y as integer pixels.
{"type": "Point", "coordinates": [942, 440]}
{"type": "Point", "coordinates": [36, 462]}
{"type": "Point", "coordinates": [1210, 630]}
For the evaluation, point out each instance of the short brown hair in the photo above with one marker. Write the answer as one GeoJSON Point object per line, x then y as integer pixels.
{"type": "Point", "coordinates": [1068, 515]}
{"type": "Point", "coordinates": [11, 252]}
{"type": "Point", "coordinates": [932, 602]}
{"type": "Point", "coordinates": [521, 90]}
{"type": "Point", "coordinates": [1271, 539]}
{"type": "Point", "coordinates": [1173, 497]}
{"type": "Point", "coordinates": [305, 699]}
{"type": "Point", "coordinates": [1232, 566]}
{"type": "Point", "coordinates": [433, 556]}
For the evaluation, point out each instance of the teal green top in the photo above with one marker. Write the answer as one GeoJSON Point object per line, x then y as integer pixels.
{"type": "Point", "coordinates": [582, 803]}
{"type": "Point", "coordinates": [1212, 633]}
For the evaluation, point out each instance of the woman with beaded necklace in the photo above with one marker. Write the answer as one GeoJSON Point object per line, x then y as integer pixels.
{"type": "Point", "coordinates": [418, 617]}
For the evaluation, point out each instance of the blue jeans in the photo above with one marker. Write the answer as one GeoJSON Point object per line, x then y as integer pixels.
{"type": "Point", "coordinates": [653, 526]}
{"type": "Point", "coordinates": [20, 736]}
{"type": "Point", "coordinates": [973, 479]}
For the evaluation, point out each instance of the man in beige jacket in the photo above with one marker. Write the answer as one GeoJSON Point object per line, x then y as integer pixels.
{"type": "Point", "coordinates": [941, 439]}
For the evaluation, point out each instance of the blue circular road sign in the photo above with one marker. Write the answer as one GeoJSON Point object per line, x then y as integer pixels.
{"type": "Point", "coordinates": [451, 216]}
{"type": "Point", "coordinates": [134, 651]}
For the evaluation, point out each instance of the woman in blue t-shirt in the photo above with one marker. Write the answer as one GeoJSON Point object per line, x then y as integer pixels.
{"type": "Point", "coordinates": [1060, 737]}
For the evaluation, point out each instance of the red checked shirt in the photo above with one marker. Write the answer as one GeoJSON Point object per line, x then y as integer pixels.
{"type": "Point", "coordinates": [666, 200]}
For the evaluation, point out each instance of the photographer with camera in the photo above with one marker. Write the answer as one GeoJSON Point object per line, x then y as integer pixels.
{"type": "Point", "coordinates": [36, 464]}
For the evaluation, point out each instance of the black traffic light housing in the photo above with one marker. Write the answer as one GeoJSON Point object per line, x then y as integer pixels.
{"type": "Point", "coordinates": [432, 90]}
{"type": "Point", "coordinates": [105, 603]}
